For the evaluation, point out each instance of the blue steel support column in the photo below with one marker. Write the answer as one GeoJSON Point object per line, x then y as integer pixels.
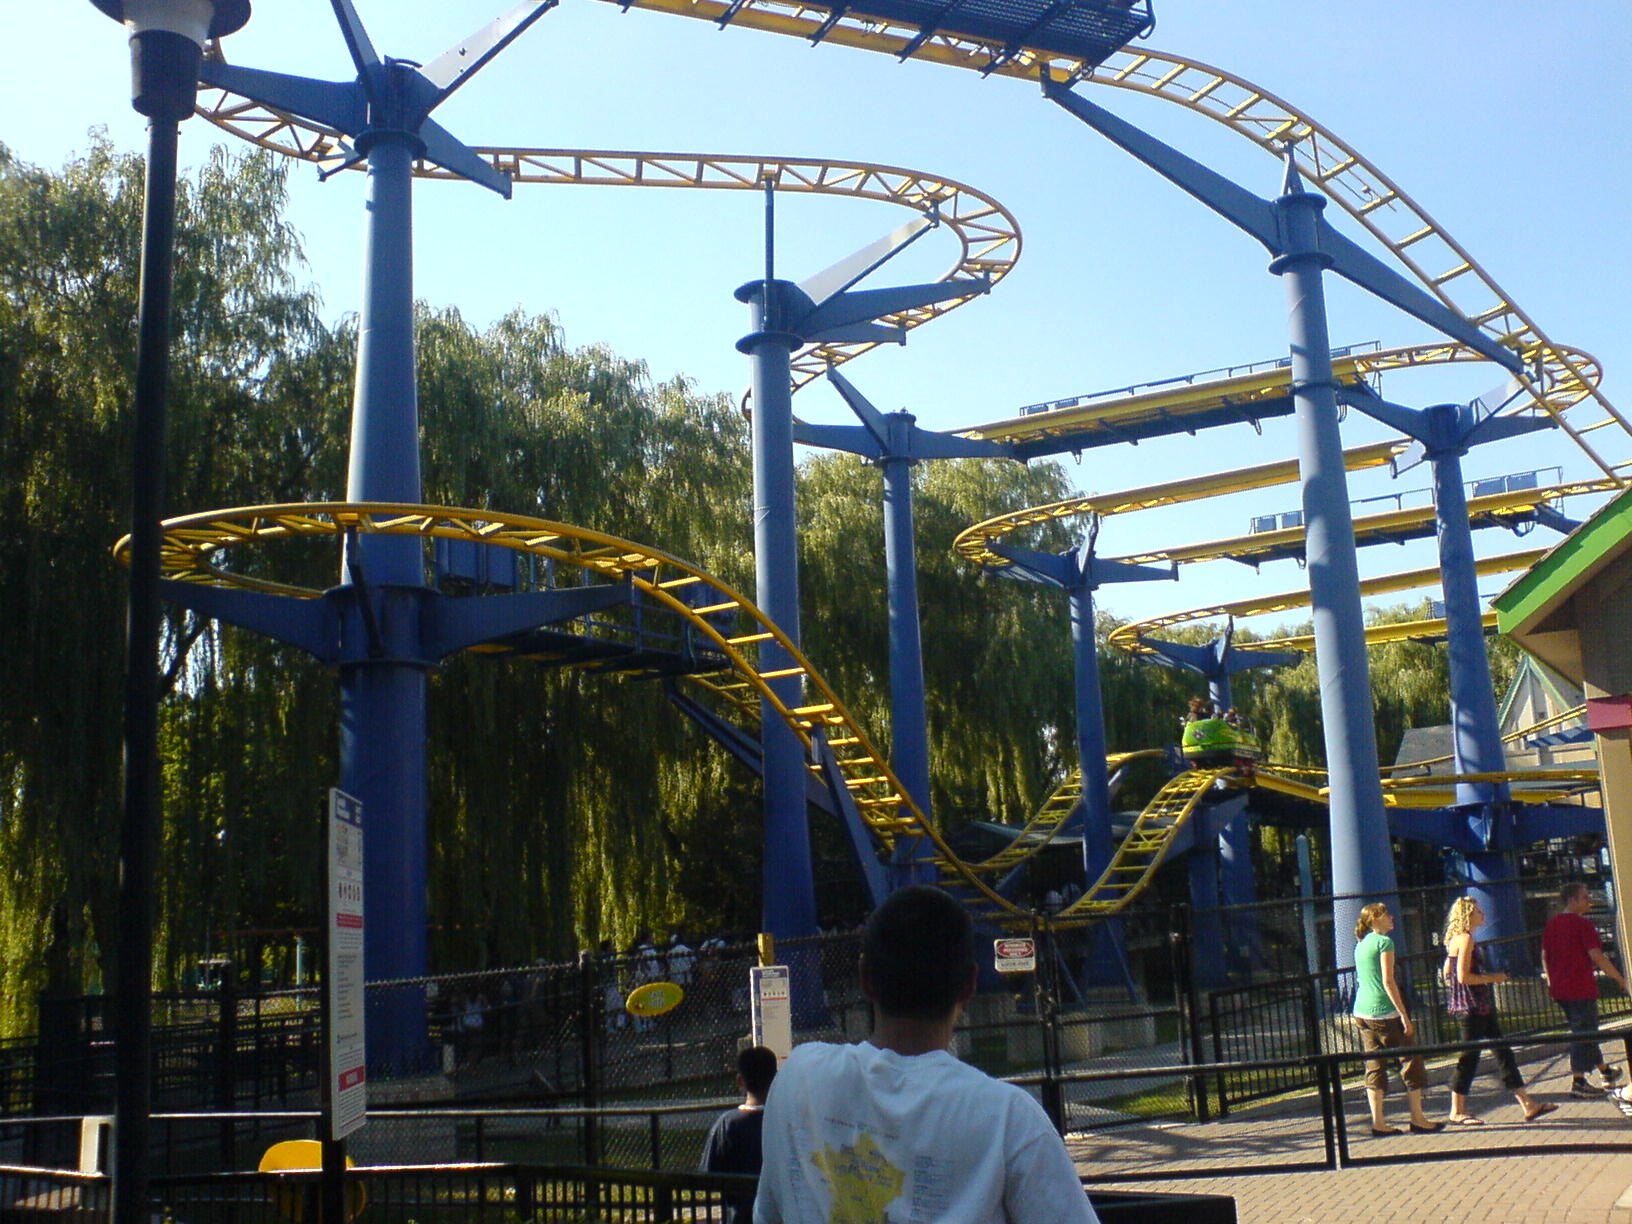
{"type": "Point", "coordinates": [1483, 823]}
{"type": "Point", "coordinates": [1207, 958]}
{"type": "Point", "coordinates": [382, 624]}
{"type": "Point", "coordinates": [1362, 853]}
{"type": "Point", "coordinates": [1238, 884]}
{"type": "Point", "coordinates": [383, 720]}
{"type": "Point", "coordinates": [1477, 724]}
{"type": "Point", "coordinates": [1095, 813]}
{"type": "Point", "coordinates": [1302, 247]}
{"type": "Point", "coordinates": [1079, 573]}
{"type": "Point", "coordinates": [1093, 817]}
{"type": "Point", "coordinates": [789, 901]}
{"type": "Point", "coordinates": [909, 712]}
{"type": "Point", "coordinates": [895, 443]}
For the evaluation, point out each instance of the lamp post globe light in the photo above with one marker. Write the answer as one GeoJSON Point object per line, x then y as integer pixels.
{"type": "Point", "coordinates": [166, 43]}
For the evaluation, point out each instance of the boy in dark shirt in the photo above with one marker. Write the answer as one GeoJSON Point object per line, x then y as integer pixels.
{"type": "Point", "coordinates": [733, 1144]}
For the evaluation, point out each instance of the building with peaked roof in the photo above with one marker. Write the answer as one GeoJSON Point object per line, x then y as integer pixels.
{"type": "Point", "coordinates": [1573, 611]}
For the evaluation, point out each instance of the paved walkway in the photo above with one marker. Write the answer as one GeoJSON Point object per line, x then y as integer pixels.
{"type": "Point", "coordinates": [1559, 1181]}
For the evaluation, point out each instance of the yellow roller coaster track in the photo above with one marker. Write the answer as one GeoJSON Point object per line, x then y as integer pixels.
{"type": "Point", "coordinates": [1130, 637]}
{"type": "Point", "coordinates": [197, 548]}
{"type": "Point", "coordinates": [1440, 790]}
{"type": "Point", "coordinates": [987, 234]}
{"type": "Point", "coordinates": [1493, 508]}
{"type": "Point", "coordinates": [1336, 168]}
{"type": "Point", "coordinates": [1142, 851]}
{"type": "Point", "coordinates": [1573, 714]}
{"type": "Point", "coordinates": [1039, 831]}
{"type": "Point", "coordinates": [973, 543]}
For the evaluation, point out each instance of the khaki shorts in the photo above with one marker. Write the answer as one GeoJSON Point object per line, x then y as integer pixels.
{"type": "Point", "coordinates": [1389, 1034]}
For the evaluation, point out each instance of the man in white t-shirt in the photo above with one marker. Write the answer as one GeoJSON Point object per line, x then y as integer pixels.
{"type": "Point", "coordinates": [896, 1129]}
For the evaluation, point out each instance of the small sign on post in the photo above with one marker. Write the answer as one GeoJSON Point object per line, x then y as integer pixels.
{"type": "Point", "coordinates": [343, 984]}
{"type": "Point", "coordinates": [1014, 955]}
{"type": "Point", "coordinates": [772, 1007]}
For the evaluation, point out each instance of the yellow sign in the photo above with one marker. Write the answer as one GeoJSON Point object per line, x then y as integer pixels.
{"type": "Point", "coordinates": [653, 999]}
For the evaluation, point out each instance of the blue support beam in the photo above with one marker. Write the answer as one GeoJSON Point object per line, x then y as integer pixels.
{"type": "Point", "coordinates": [785, 317]}
{"type": "Point", "coordinates": [1217, 661]}
{"type": "Point", "coordinates": [788, 897]}
{"type": "Point", "coordinates": [895, 444]}
{"type": "Point", "coordinates": [1303, 247]}
{"type": "Point", "coordinates": [1442, 434]}
{"type": "Point", "coordinates": [390, 627]}
{"type": "Point", "coordinates": [1079, 573]}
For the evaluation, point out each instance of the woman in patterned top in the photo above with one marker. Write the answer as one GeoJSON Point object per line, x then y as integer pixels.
{"type": "Point", "coordinates": [1473, 1003]}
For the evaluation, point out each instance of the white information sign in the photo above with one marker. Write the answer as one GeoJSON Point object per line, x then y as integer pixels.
{"type": "Point", "coordinates": [348, 1081]}
{"type": "Point", "coordinates": [1014, 955]}
{"type": "Point", "coordinates": [771, 994]}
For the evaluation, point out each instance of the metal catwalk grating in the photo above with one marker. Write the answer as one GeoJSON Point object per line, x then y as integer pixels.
{"type": "Point", "coordinates": [1089, 30]}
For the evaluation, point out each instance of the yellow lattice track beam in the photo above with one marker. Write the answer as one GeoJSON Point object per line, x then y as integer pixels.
{"type": "Point", "coordinates": [987, 234]}
{"type": "Point", "coordinates": [1039, 831]}
{"type": "Point", "coordinates": [1573, 714]}
{"type": "Point", "coordinates": [1439, 790]}
{"type": "Point", "coordinates": [1127, 637]}
{"type": "Point", "coordinates": [1332, 165]}
{"type": "Point", "coordinates": [1502, 506]}
{"type": "Point", "coordinates": [197, 548]}
{"type": "Point", "coordinates": [973, 543]}
{"type": "Point", "coordinates": [1142, 851]}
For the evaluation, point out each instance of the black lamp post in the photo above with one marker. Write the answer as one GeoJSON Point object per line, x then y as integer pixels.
{"type": "Point", "coordinates": [166, 41]}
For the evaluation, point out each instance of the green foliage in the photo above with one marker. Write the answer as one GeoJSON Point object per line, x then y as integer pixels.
{"type": "Point", "coordinates": [565, 808]}
{"type": "Point", "coordinates": [68, 256]}
{"type": "Point", "coordinates": [997, 654]}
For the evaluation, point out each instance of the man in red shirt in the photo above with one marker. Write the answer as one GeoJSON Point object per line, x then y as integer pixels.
{"type": "Point", "coordinates": [1572, 956]}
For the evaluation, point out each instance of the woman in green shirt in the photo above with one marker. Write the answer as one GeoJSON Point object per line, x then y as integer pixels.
{"type": "Point", "coordinates": [1384, 1023]}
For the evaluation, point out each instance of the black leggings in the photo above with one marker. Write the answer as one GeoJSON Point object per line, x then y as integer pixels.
{"type": "Point", "coordinates": [1478, 1028]}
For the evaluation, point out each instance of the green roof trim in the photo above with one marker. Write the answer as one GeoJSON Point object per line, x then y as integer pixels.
{"type": "Point", "coordinates": [1572, 559]}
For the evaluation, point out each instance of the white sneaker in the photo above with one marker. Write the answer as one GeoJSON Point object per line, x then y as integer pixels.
{"type": "Point", "coordinates": [1609, 1076]}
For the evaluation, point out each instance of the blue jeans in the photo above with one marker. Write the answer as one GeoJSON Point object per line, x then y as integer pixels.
{"type": "Point", "coordinates": [1582, 1016]}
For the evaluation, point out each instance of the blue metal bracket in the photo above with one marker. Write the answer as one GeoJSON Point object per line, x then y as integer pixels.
{"type": "Point", "coordinates": [311, 624]}
{"type": "Point", "coordinates": [861, 837]}
{"type": "Point", "coordinates": [1445, 429]}
{"type": "Point", "coordinates": [393, 95]}
{"type": "Point", "coordinates": [1547, 516]}
{"type": "Point", "coordinates": [455, 624]}
{"type": "Point", "coordinates": [1268, 222]}
{"type": "Point", "coordinates": [1072, 569]}
{"type": "Point", "coordinates": [744, 747]}
{"type": "Point", "coordinates": [891, 436]}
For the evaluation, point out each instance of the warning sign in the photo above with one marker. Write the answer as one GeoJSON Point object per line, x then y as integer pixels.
{"type": "Point", "coordinates": [348, 1087]}
{"type": "Point", "coordinates": [1014, 955]}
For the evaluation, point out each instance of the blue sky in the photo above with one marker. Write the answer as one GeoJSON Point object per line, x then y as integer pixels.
{"type": "Point", "coordinates": [1509, 127]}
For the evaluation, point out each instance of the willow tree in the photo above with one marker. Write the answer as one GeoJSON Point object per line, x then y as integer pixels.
{"type": "Point", "coordinates": [68, 260]}
{"type": "Point", "coordinates": [997, 658]}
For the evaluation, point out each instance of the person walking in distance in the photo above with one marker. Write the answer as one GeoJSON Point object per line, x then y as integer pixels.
{"type": "Point", "coordinates": [1473, 1003]}
{"type": "Point", "coordinates": [896, 1128]}
{"type": "Point", "coordinates": [1572, 956]}
{"type": "Point", "coordinates": [733, 1145]}
{"type": "Point", "coordinates": [1384, 1021]}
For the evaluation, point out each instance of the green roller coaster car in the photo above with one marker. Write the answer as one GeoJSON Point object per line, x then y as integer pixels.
{"type": "Point", "coordinates": [1214, 743]}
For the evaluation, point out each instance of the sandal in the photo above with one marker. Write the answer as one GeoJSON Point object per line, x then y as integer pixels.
{"type": "Point", "coordinates": [1465, 1120]}
{"type": "Point", "coordinates": [1546, 1107]}
{"type": "Point", "coordinates": [1383, 1134]}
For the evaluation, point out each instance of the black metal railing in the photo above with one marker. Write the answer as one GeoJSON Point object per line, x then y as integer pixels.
{"type": "Point", "coordinates": [496, 1193]}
